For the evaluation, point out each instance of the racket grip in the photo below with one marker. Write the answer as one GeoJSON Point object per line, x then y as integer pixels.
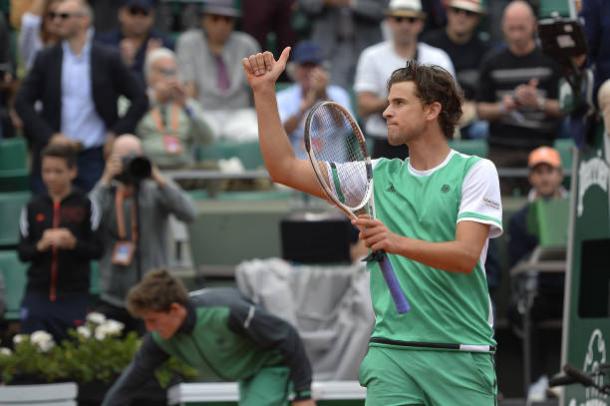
{"type": "Point", "coordinates": [400, 300]}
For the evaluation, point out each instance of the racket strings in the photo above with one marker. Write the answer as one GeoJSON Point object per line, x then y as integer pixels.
{"type": "Point", "coordinates": [334, 140]}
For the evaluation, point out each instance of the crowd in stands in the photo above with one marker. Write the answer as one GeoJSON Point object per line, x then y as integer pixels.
{"type": "Point", "coordinates": [93, 86]}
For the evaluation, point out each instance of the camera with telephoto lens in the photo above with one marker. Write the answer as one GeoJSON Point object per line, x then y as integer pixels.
{"type": "Point", "coordinates": [136, 168]}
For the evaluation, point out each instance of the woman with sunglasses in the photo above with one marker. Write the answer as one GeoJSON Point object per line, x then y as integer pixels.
{"type": "Point", "coordinates": [37, 32]}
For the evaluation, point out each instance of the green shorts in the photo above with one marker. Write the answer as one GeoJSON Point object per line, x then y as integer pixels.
{"type": "Point", "coordinates": [270, 387]}
{"type": "Point", "coordinates": [400, 377]}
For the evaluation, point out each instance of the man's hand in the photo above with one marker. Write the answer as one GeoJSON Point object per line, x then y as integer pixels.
{"type": "Point", "coordinates": [114, 166]}
{"type": "Point", "coordinates": [45, 241]}
{"type": "Point", "coordinates": [157, 177]}
{"type": "Point", "coordinates": [110, 138]}
{"type": "Point", "coordinates": [308, 402]}
{"type": "Point", "coordinates": [64, 239]}
{"type": "Point", "coordinates": [262, 70]}
{"type": "Point", "coordinates": [128, 49]}
{"type": "Point", "coordinates": [376, 235]}
{"type": "Point", "coordinates": [527, 94]}
{"type": "Point", "coordinates": [178, 93]}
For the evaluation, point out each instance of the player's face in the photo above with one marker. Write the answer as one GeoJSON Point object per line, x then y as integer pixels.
{"type": "Point", "coordinates": [56, 174]}
{"type": "Point", "coordinates": [164, 323]}
{"type": "Point", "coordinates": [546, 179]}
{"type": "Point", "coordinates": [404, 114]}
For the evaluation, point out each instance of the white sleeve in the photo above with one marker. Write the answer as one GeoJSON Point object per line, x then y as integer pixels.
{"type": "Point", "coordinates": [481, 199]}
{"type": "Point", "coordinates": [29, 42]}
{"type": "Point", "coordinates": [366, 78]}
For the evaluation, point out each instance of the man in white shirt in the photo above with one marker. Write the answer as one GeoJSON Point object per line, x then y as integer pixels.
{"type": "Point", "coordinates": [376, 64]}
{"type": "Point", "coordinates": [311, 86]}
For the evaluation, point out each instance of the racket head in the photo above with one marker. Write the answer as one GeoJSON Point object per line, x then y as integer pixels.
{"type": "Point", "coordinates": [333, 139]}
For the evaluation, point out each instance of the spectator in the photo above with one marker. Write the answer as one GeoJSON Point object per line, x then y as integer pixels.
{"type": "Point", "coordinates": [219, 332]}
{"type": "Point", "coordinates": [6, 80]}
{"type": "Point", "coordinates": [344, 28]}
{"type": "Point", "coordinates": [59, 238]}
{"type": "Point", "coordinates": [376, 64]}
{"type": "Point", "coordinates": [262, 18]}
{"type": "Point", "coordinates": [545, 178]}
{"type": "Point", "coordinates": [209, 60]}
{"type": "Point", "coordinates": [518, 92]}
{"type": "Point", "coordinates": [466, 49]}
{"type": "Point", "coordinates": [38, 29]}
{"type": "Point", "coordinates": [174, 125]}
{"type": "Point", "coordinates": [135, 36]}
{"type": "Point", "coordinates": [596, 15]}
{"type": "Point", "coordinates": [78, 83]}
{"type": "Point", "coordinates": [311, 87]}
{"type": "Point", "coordinates": [158, 199]}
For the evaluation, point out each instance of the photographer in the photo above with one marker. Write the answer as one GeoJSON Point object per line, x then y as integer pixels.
{"type": "Point", "coordinates": [174, 125]}
{"type": "Point", "coordinates": [133, 243]}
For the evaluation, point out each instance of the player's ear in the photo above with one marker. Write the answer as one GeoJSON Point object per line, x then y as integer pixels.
{"type": "Point", "coordinates": [433, 110]}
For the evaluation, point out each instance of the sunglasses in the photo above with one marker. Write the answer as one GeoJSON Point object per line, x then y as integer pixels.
{"type": "Point", "coordinates": [467, 13]}
{"type": "Point", "coordinates": [138, 11]}
{"type": "Point", "coordinates": [400, 19]}
{"type": "Point", "coordinates": [216, 18]}
{"type": "Point", "coordinates": [168, 73]}
{"type": "Point", "coordinates": [51, 15]}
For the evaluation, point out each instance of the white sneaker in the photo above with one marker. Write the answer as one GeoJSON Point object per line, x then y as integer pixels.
{"type": "Point", "coordinates": [537, 390]}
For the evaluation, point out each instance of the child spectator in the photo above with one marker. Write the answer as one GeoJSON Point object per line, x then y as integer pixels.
{"type": "Point", "coordinates": [58, 237]}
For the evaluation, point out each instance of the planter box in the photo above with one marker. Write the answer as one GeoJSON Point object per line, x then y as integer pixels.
{"type": "Point", "coordinates": [328, 393]}
{"type": "Point", "coordinates": [48, 394]}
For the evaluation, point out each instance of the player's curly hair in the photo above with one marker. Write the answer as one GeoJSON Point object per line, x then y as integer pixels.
{"type": "Point", "coordinates": [156, 292]}
{"type": "Point", "coordinates": [433, 84]}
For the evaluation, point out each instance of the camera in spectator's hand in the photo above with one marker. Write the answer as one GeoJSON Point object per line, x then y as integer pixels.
{"type": "Point", "coordinates": [136, 168]}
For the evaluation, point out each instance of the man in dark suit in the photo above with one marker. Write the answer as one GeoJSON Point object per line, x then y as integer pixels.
{"type": "Point", "coordinates": [78, 83]}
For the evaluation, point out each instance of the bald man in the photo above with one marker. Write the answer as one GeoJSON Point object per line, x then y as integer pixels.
{"type": "Point", "coordinates": [123, 239]}
{"type": "Point", "coordinates": [518, 91]}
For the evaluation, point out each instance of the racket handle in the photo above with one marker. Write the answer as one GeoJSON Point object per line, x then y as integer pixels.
{"type": "Point", "coordinates": [400, 300]}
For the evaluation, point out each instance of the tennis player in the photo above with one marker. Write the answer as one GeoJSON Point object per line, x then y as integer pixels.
{"type": "Point", "coordinates": [436, 211]}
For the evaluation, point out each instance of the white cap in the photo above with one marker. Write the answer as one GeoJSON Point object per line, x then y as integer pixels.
{"type": "Point", "coordinates": [405, 8]}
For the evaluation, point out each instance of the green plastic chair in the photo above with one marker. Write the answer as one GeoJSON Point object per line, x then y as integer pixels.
{"type": "Point", "coordinates": [14, 173]}
{"type": "Point", "coordinates": [564, 147]}
{"type": "Point", "coordinates": [548, 219]}
{"type": "Point", "coordinates": [14, 274]}
{"type": "Point", "coordinates": [13, 154]}
{"type": "Point", "coordinates": [470, 147]}
{"type": "Point", "coordinates": [10, 212]}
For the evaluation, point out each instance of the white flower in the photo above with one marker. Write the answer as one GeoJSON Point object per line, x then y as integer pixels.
{"type": "Point", "coordinates": [113, 327]}
{"type": "Point", "coordinates": [97, 318]}
{"type": "Point", "coordinates": [109, 328]}
{"type": "Point", "coordinates": [100, 333]}
{"type": "Point", "coordinates": [43, 340]}
{"type": "Point", "coordinates": [83, 331]}
{"type": "Point", "coordinates": [5, 351]}
{"type": "Point", "coordinates": [19, 338]}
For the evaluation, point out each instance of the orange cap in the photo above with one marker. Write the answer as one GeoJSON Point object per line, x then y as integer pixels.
{"type": "Point", "coordinates": [544, 155]}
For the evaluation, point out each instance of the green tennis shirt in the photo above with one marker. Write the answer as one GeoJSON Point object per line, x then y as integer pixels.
{"type": "Point", "coordinates": [446, 307]}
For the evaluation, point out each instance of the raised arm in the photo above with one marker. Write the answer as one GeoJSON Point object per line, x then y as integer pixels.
{"type": "Point", "coordinates": [262, 71]}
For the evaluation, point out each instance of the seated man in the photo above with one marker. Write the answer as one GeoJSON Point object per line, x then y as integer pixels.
{"type": "Point", "coordinates": [174, 125]}
{"type": "Point", "coordinates": [131, 246]}
{"type": "Point", "coordinates": [221, 334]}
{"type": "Point", "coordinates": [545, 178]}
{"type": "Point", "coordinates": [135, 36]}
{"type": "Point", "coordinates": [311, 87]}
{"type": "Point", "coordinates": [209, 61]}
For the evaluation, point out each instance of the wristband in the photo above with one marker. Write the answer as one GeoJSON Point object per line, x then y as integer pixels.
{"type": "Point", "coordinates": [541, 102]}
{"type": "Point", "coordinates": [302, 394]}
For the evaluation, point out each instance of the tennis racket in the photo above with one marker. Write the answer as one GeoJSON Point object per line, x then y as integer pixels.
{"type": "Point", "coordinates": [337, 151]}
